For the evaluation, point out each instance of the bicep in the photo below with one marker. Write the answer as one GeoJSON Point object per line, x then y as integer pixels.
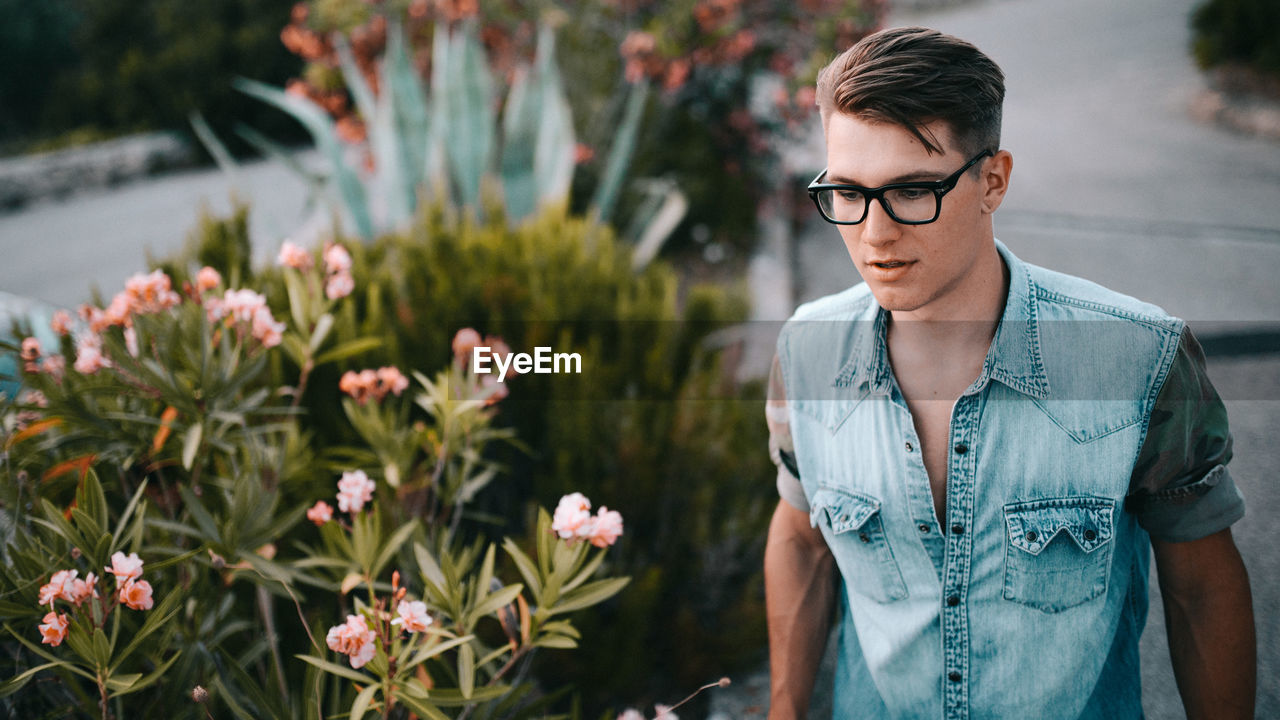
{"type": "Point", "coordinates": [1189, 569]}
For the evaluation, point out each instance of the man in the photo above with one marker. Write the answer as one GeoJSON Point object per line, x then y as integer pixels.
{"type": "Point", "coordinates": [976, 455]}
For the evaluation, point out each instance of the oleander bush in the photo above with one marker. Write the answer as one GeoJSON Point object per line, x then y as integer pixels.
{"type": "Point", "coordinates": [226, 430]}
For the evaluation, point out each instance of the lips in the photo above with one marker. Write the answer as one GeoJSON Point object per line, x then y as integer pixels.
{"type": "Point", "coordinates": [887, 264]}
{"type": "Point", "coordinates": [887, 270]}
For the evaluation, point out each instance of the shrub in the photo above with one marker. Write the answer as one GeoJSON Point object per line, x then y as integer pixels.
{"type": "Point", "coordinates": [1238, 31]}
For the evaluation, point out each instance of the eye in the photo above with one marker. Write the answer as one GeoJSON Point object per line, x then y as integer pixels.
{"type": "Point", "coordinates": [909, 194]}
{"type": "Point", "coordinates": [850, 195]}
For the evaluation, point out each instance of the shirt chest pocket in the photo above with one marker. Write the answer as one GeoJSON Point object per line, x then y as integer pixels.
{"type": "Point", "coordinates": [855, 532]}
{"type": "Point", "coordinates": [1059, 551]}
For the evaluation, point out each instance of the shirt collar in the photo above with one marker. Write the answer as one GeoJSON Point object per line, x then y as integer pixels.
{"type": "Point", "coordinates": [1014, 358]}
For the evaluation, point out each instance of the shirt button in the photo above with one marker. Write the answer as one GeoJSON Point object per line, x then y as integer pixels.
{"type": "Point", "coordinates": [1031, 536]}
{"type": "Point", "coordinates": [909, 447]}
{"type": "Point", "coordinates": [1090, 535]}
{"type": "Point", "coordinates": [957, 529]}
{"type": "Point", "coordinates": [961, 448]}
{"type": "Point", "coordinates": [953, 601]}
{"type": "Point", "coordinates": [924, 528]}
{"type": "Point", "coordinates": [954, 676]}
{"type": "Point", "coordinates": [864, 537]}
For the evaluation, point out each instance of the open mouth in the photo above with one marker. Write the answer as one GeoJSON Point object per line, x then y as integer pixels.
{"type": "Point", "coordinates": [888, 265]}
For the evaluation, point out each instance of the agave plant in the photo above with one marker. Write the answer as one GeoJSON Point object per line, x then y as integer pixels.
{"type": "Point", "coordinates": [452, 141]}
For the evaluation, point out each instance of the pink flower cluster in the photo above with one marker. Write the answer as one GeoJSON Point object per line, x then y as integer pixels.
{"type": "Point", "coordinates": [354, 639]}
{"type": "Point", "coordinates": [573, 521]}
{"type": "Point", "coordinates": [412, 615]}
{"type": "Point", "coordinates": [373, 384]}
{"type": "Point", "coordinates": [131, 590]}
{"type": "Point", "coordinates": [292, 255]}
{"type": "Point", "coordinates": [250, 310]}
{"type": "Point", "coordinates": [467, 340]}
{"type": "Point", "coordinates": [337, 265]}
{"type": "Point", "coordinates": [354, 490]}
{"type": "Point", "coordinates": [207, 279]}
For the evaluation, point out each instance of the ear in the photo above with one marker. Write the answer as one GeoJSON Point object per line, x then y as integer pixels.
{"type": "Point", "coordinates": [995, 180]}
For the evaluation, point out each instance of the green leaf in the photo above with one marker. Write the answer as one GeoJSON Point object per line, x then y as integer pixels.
{"type": "Point", "coordinates": [349, 349]}
{"type": "Point", "coordinates": [501, 598]}
{"type": "Point", "coordinates": [118, 535]}
{"type": "Point", "coordinates": [527, 569]}
{"type": "Point", "coordinates": [30, 645]}
{"type": "Point", "coordinates": [321, 332]}
{"type": "Point", "coordinates": [362, 701]}
{"type": "Point", "coordinates": [419, 706]}
{"type": "Point", "coordinates": [624, 146]}
{"type": "Point", "coordinates": [200, 515]}
{"type": "Point", "coordinates": [14, 684]}
{"type": "Point", "coordinates": [466, 670]}
{"type": "Point", "coordinates": [120, 684]}
{"type": "Point", "coordinates": [393, 545]}
{"type": "Point", "coordinates": [429, 651]}
{"type": "Point", "coordinates": [156, 618]}
{"type": "Point", "coordinates": [336, 669]}
{"type": "Point", "coordinates": [472, 122]}
{"type": "Point", "coordinates": [559, 642]}
{"type": "Point", "coordinates": [428, 566]}
{"type": "Point", "coordinates": [192, 444]}
{"type": "Point", "coordinates": [151, 677]}
{"type": "Point", "coordinates": [589, 595]}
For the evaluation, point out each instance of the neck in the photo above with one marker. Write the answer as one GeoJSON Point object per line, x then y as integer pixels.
{"type": "Point", "coordinates": [968, 323]}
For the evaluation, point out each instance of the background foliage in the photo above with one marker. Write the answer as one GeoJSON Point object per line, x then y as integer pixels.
{"type": "Point", "coordinates": [1239, 31]}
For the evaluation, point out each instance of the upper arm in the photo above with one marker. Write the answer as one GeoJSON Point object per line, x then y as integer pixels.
{"type": "Point", "coordinates": [1180, 489]}
{"type": "Point", "coordinates": [1190, 569]}
{"type": "Point", "coordinates": [781, 447]}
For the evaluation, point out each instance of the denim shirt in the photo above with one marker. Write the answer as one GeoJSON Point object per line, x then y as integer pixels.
{"type": "Point", "coordinates": [1031, 601]}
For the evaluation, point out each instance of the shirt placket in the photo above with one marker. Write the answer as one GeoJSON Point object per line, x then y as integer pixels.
{"type": "Point", "coordinates": [961, 465]}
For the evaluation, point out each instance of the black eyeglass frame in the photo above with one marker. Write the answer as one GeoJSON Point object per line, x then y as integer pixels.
{"type": "Point", "coordinates": [939, 188]}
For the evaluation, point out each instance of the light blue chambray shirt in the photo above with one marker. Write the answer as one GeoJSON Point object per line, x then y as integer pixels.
{"type": "Point", "coordinates": [1090, 427]}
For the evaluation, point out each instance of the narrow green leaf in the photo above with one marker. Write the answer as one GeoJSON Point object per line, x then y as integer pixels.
{"type": "Point", "coordinates": [499, 599]}
{"type": "Point", "coordinates": [527, 569]}
{"type": "Point", "coordinates": [335, 669]}
{"type": "Point", "coordinates": [589, 595]}
{"type": "Point", "coordinates": [217, 150]}
{"type": "Point", "coordinates": [351, 348]}
{"type": "Point", "coordinates": [466, 670]}
{"type": "Point", "coordinates": [151, 677]}
{"type": "Point", "coordinates": [192, 444]}
{"type": "Point", "coordinates": [429, 651]}
{"type": "Point", "coordinates": [393, 545]}
{"type": "Point", "coordinates": [15, 683]}
{"type": "Point", "coordinates": [559, 642]}
{"type": "Point", "coordinates": [419, 706]}
{"type": "Point", "coordinates": [428, 566]}
{"type": "Point", "coordinates": [120, 684]}
{"type": "Point", "coordinates": [362, 701]}
{"type": "Point", "coordinates": [321, 332]}
{"type": "Point", "coordinates": [624, 145]}
{"type": "Point", "coordinates": [118, 535]}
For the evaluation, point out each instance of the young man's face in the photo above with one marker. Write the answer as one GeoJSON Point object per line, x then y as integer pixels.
{"type": "Point", "coordinates": [919, 271]}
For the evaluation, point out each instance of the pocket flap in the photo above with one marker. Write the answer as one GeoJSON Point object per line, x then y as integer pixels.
{"type": "Point", "coordinates": [845, 511]}
{"type": "Point", "coordinates": [1033, 525]}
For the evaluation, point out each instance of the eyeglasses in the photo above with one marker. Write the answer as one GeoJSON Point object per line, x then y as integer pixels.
{"type": "Point", "coordinates": [908, 203]}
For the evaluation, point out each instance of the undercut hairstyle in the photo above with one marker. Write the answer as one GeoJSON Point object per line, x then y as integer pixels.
{"type": "Point", "coordinates": [914, 76]}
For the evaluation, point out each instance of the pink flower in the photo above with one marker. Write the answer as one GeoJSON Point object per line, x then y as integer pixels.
{"type": "Point", "coordinates": [339, 285]}
{"type": "Point", "coordinates": [61, 322]}
{"type": "Point", "coordinates": [151, 293]}
{"type": "Point", "coordinates": [413, 616]}
{"type": "Point", "coordinates": [54, 629]}
{"type": "Point", "coordinates": [125, 568]}
{"type": "Point", "coordinates": [573, 512]}
{"type": "Point", "coordinates": [336, 259]}
{"type": "Point", "coordinates": [354, 490]}
{"type": "Point", "coordinates": [55, 366]}
{"type": "Point", "coordinates": [631, 714]}
{"type": "Point", "coordinates": [663, 712]}
{"type": "Point", "coordinates": [320, 513]}
{"type": "Point", "coordinates": [391, 380]}
{"type": "Point", "coordinates": [354, 639]}
{"type": "Point", "coordinates": [82, 590]}
{"type": "Point", "coordinates": [359, 385]}
{"type": "Point", "coordinates": [265, 328]}
{"type": "Point", "coordinates": [89, 357]}
{"type": "Point", "coordinates": [241, 304]}
{"type": "Point", "coordinates": [34, 397]}
{"type": "Point", "coordinates": [117, 313]}
{"type": "Point", "coordinates": [137, 595]}
{"type": "Point", "coordinates": [292, 255]}
{"type": "Point", "coordinates": [30, 355]}
{"type": "Point", "coordinates": [59, 586]}
{"type": "Point", "coordinates": [207, 279]}
{"type": "Point", "coordinates": [494, 390]}
{"type": "Point", "coordinates": [464, 342]}
{"type": "Point", "coordinates": [604, 529]}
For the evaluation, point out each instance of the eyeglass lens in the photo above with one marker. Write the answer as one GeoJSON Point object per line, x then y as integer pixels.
{"type": "Point", "coordinates": [903, 204]}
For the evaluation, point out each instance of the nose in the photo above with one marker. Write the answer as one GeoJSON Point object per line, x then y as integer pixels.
{"type": "Point", "coordinates": [878, 228]}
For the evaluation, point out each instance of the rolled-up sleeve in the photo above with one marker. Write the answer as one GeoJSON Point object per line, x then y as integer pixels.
{"type": "Point", "coordinates": [1181, 489]}
{"type": "Point", "coordinates": [781, 449]}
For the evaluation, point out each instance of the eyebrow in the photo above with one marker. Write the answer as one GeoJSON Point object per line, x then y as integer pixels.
{"type": "Point", "coordinates": [916, 176]}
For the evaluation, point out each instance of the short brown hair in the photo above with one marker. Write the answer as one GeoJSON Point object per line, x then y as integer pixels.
{"type": "Point", "coordinates": [914, 76]}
